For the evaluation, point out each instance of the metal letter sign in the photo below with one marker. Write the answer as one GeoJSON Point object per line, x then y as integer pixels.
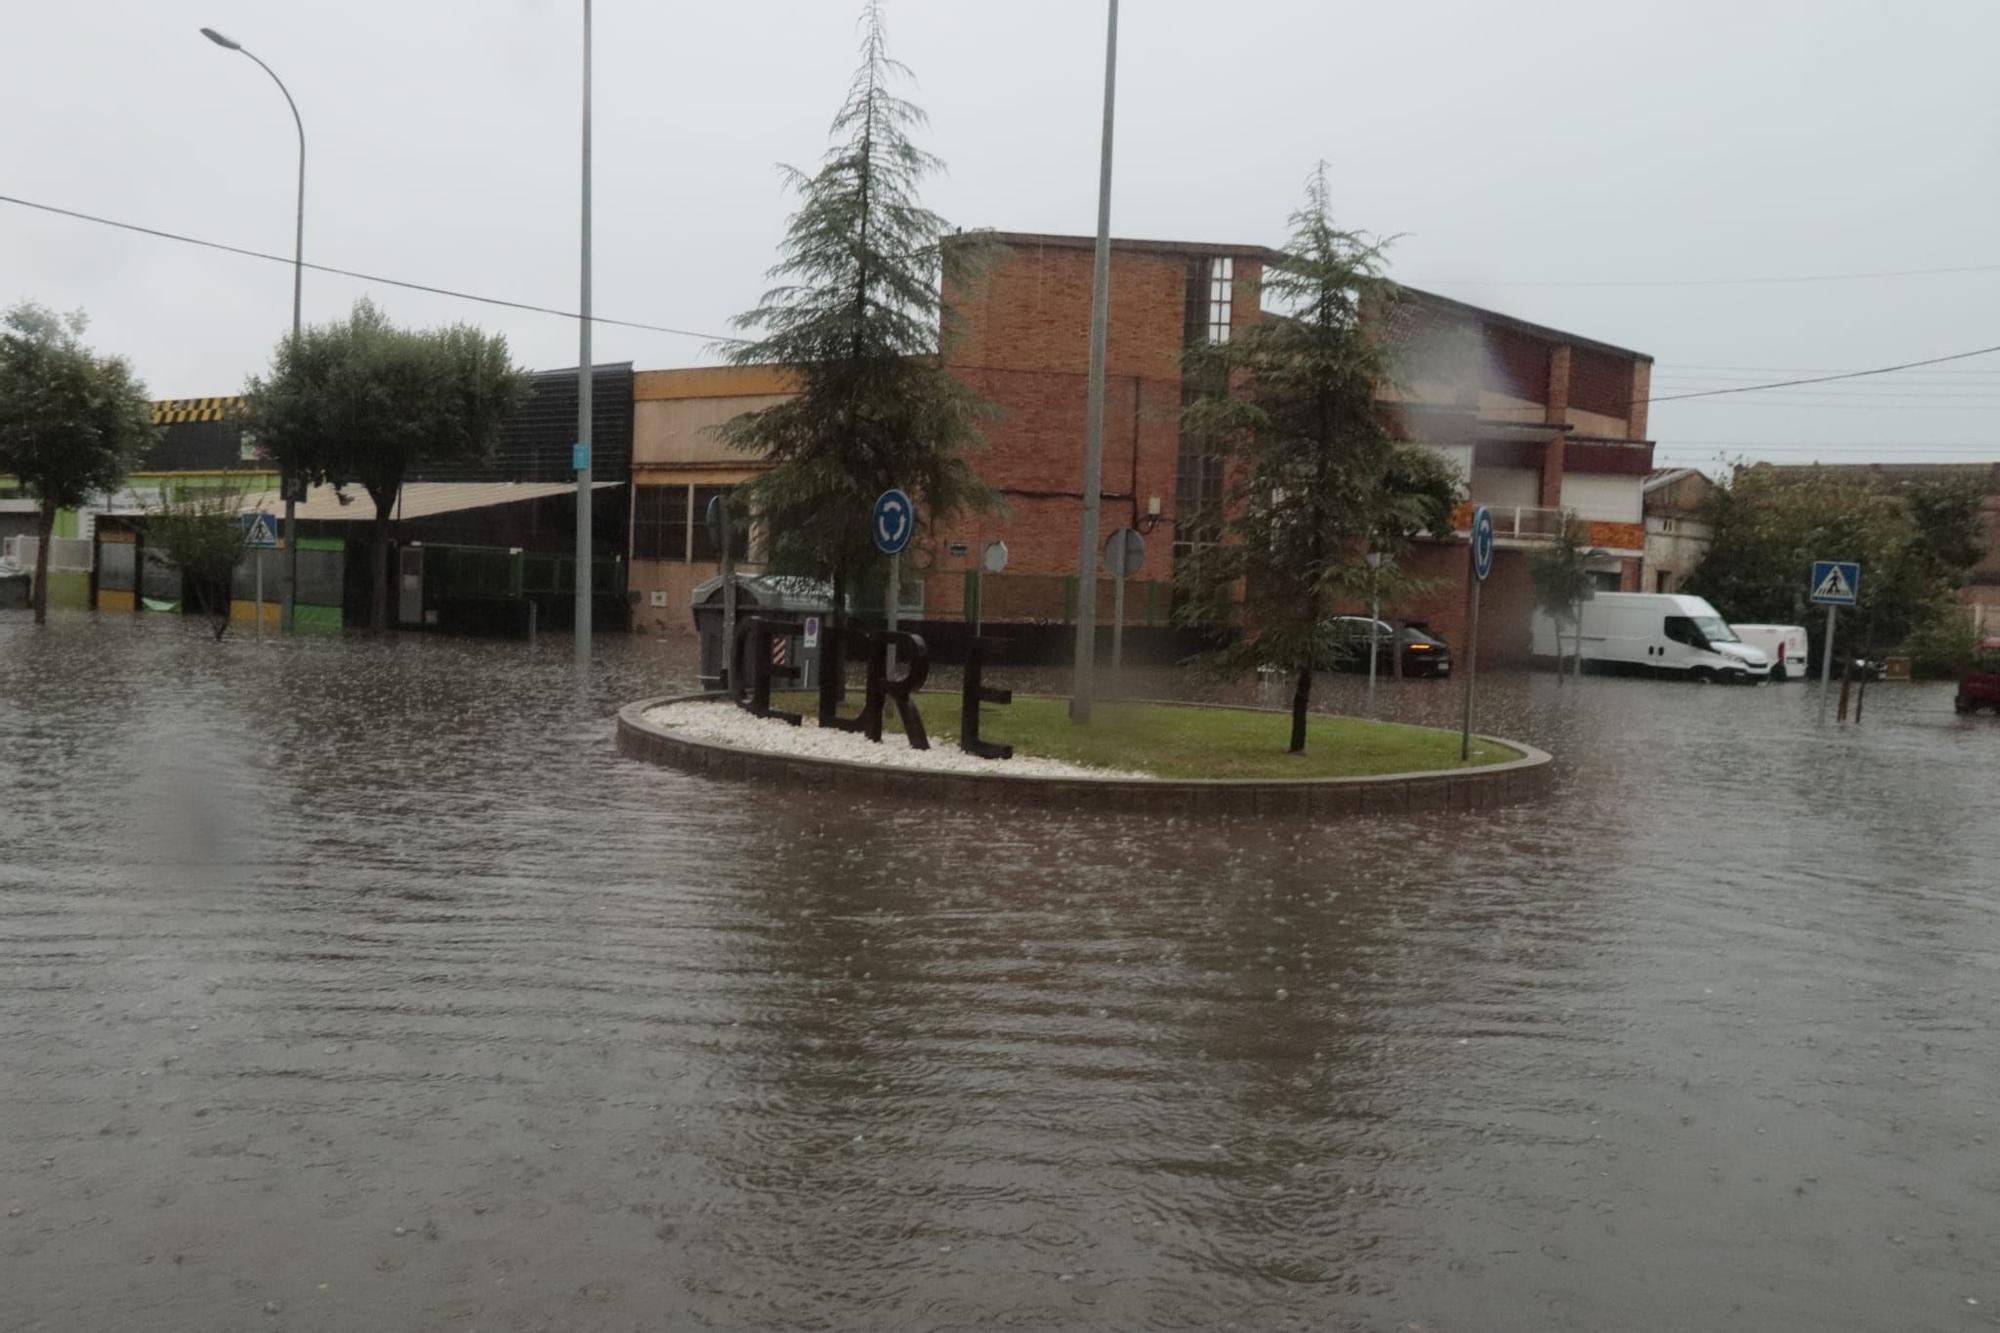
{"type": "Point", "coordinates": [260, 530]}
{"type": "Point", "coordinates": [1482, 541]}
{"type": "Point", "coordinates": [1836, 582]}
{"type": "Point", "coordinates": [894, 520]}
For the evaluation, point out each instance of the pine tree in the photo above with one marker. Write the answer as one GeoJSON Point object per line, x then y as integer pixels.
{"type": "Point", "coordinates": [856, 319]}
{"type": "Point", "coordinates": [1316, 480]}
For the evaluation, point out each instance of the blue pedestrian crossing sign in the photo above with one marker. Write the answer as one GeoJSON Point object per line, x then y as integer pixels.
{"type": "Point", "coordinates": [1482, 541]}
{"type": "Point", "coordinates": [260, 530]}
{"type": "Point", "coordinates": [893, 522]}
{"type": "Point", "coordinates": [1836, 582]}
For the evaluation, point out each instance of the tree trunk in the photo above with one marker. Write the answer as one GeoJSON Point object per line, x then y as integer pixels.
{"type": "Point", "coordinates": [46, 525]}
{"type": "Point", "coordinates": [1300, 694]}
{"type": "Point", "coordinates": [378, 564]}
{"type": "Point", "coordinates": [220, 623]}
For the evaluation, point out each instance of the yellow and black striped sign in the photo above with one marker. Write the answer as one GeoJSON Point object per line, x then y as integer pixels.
{"type": "Point", "coordinates": [173, 411]}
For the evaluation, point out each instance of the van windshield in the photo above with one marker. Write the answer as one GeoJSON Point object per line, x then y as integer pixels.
{"type": "Point", "coordinates": [1715, 629]}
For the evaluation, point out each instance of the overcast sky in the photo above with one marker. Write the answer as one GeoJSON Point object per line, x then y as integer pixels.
{"type": "Point", "coordinates": [1533, 156]}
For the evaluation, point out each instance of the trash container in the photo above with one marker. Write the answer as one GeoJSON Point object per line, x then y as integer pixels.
{"type": "Point", "coordinates": [801, 605]}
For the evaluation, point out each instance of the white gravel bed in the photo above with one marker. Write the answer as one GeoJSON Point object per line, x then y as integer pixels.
{"type": "Point", "coordinates": [726, 724]}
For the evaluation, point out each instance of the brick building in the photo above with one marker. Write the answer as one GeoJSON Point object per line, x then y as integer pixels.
{"type": "Point", "coordinates": [1536, 420]}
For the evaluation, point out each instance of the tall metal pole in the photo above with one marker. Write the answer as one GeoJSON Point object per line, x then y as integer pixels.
{"type": "Point", "coordinates": [1083, 686]}
{"type": "Point", "coordinates": [1118, 627]}
{"type": "Point", "coordinates": [1826, 665]}
{"type": "Point", "coordinates": [892, 604]}
{"type": "Point", "coordinates": [582, 459]}
{"type": "Point", "coordinates": [1471, 666]}
{"type": "Point", "coordinates": [298, 292]}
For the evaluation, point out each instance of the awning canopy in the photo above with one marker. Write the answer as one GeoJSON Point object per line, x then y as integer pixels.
{"type": "Point", "coordinates": [420, 499]}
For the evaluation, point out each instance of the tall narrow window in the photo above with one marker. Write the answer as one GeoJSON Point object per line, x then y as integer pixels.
{"type": "Point", "coordinates": [1198, 498]}
{"type": "Point", "coordinates": [1221, 289]}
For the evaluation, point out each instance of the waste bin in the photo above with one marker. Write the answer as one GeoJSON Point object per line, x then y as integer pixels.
{"type": "Point", "coordinates": [801, 605]}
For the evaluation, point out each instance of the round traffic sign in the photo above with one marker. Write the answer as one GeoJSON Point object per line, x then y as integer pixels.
{"type": "Point", "coordinates": [894, 521]}
{"type": "Point", "coordinates": [994, 558]}
{"type": "Point", "coordinates": [1482, 541]}
{"type": "Point", "coordinates": [1124, 553]}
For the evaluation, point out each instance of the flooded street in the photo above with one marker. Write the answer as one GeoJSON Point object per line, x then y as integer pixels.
{"type": "Point", "coordinates": [352, 985]}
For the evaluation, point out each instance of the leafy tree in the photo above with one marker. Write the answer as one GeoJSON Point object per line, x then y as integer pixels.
{"type": "Point", "coordinates": [1315, 478]}
{"type": "Point", "coordinates": [1770, 525]}
{"type": "Point", "coordinates": [1563, 584]}
{"type": "Point", "coordinates": [856, 318]}
{"type": "Point", "coordinates": [361, 402]}
{"type": "Point", "coordinates": [199, 531]}
{"type": "Point", "coordinates": [1944, 643]}
{"type": "Point", "coordinates": [71, 422]}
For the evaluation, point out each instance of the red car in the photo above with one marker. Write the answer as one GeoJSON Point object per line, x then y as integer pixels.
{"type": "Point", "coordinates": [1980, 687]}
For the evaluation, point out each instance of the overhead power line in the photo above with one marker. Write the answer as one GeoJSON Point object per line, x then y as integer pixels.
{"type": "Point", "coordinates": [287, 260]}
{"type": "Point", "coordinates": [532, 308]}
{"type": "Point", "coordinates": [1721, 282]}
{"type": "Point", "coordinates": [1826, 379]}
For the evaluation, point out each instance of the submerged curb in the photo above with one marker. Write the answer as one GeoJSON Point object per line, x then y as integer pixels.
{"type": "Point", "coordinates": [1484, 788]}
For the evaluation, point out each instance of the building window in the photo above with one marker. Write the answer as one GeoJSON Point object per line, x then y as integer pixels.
{"type": "Point", "coordinates": [1663, 581]}
{"type": "Point", "coordinates": [660, 523]}
{"type": "Point", "coordinates": [705, 547]}
{"type": "Point", "coordinates": [1221, 292]}
{"type": "Point", "coordinates": [1198, 480]}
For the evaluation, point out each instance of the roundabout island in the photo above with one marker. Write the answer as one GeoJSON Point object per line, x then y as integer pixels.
{"type": "Point", "coordinates": [1138, 757]}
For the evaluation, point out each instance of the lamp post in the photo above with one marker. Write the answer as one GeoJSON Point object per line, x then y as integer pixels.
{"type": "Point", "coordinates": [581, 460]}
{"type": "Point", "coordinates": [285, 481]}
{"type": "Point", "coordinates": [1083, 684]}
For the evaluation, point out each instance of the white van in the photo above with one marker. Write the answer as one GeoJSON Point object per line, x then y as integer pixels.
{"type": "Point", "coordinates": [1656, 631]}
{"type": "Point", "coordinates": [1785, 645]}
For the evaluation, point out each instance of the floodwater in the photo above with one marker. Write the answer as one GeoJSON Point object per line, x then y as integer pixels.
{"type": "Point", "coordinates": [357, 985]}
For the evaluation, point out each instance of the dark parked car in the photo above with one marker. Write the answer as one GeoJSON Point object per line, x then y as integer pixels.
{"type": "Point", "coordinates": [1979, 687]}
{"type": "Point", "coordinates": [1423, 653]}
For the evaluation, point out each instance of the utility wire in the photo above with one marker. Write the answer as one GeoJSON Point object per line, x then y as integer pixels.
{"type": "Point", "coordinates": [719, 338]}
{"type": "Point", "coordinates": [351, 273]}
{"type": "Point", "coordinates": [1725, 282]}
{"type": "Point", "coordinates": [1826, 379]}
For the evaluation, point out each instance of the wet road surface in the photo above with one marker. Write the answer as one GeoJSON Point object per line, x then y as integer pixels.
{"type": "Point", "coordinates": [351, 985]}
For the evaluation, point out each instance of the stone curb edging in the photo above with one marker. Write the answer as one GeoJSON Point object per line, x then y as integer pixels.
{"type": "Point", "coordinates": [1484, 788]}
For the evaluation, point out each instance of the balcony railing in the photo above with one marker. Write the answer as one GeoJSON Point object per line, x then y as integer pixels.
{"type": "Point", "coordinates": [1525, 523]}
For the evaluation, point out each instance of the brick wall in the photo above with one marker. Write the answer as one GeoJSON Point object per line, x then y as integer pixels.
{"type": "Point", "coordinates": [1023, 342]}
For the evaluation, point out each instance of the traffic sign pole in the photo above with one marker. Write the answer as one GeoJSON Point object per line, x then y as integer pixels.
{"type": "Point", "coordinates": [895, 596]}
{"type": "Point", "coordinates": [892, 523]}
{"type": "Point", "coordinates": [1117, 624]}
{"type": "Point", "coordinates": [1471, 669]}
{"type": "Point", "coordinates": [1480, 555]}
{"type": "Point", "coordinates": [1834, 584]}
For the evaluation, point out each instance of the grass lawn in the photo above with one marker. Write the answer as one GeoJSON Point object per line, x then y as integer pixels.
{"type": "Point", "coordinates": [1175, 742]}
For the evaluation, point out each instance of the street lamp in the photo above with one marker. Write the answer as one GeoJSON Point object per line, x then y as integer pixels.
{"type": "Point", "coordinates": [1083, 682]}
{"type": "Point", "coordinates": [298, 285]}
{"type": "Point", "coordinates": [580, 455]}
